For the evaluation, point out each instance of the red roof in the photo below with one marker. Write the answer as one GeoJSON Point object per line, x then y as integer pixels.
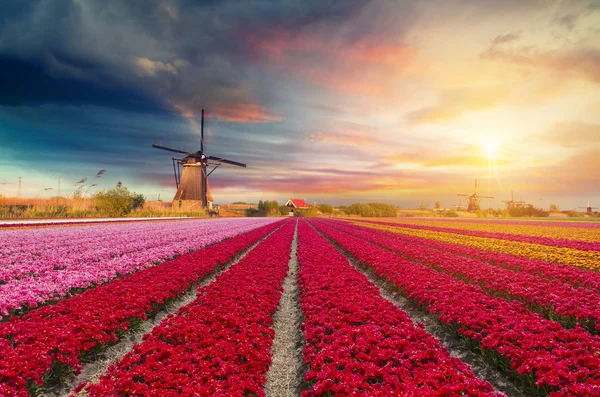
{"type": "Point", "coordinates": [298, 203]}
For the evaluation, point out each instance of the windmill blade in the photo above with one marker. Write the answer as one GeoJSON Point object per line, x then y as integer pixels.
{"type": "Point", "coordinates": [225, 161]}
{"type": "Point", "coordinates": [169, 149]}
{"type": "Point", "coordinates": [488, 197]}
{"type": "Point", "coordinates": [464, 195]}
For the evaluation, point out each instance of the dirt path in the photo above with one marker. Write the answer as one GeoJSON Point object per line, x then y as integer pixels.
{"type": "Point", "coordinates": [284, 378]}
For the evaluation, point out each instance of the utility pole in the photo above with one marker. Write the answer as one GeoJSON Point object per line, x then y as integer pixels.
{"type": "Point", "coordinates": [58, 190]}
{"type": "Point", "coordinates": [19, 188]}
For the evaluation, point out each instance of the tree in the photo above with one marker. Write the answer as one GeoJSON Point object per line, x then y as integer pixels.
{"type": "Point", "coordinates": [437, 205]}
{"type": "Point", "coordinates": [325, 208]}
{"type": "Point", "coordinates": [554, 208]}
{"type": "Point", "coordinates": [117, 201]}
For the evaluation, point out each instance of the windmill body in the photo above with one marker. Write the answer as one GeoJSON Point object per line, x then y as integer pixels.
{"type": "Point", "coordinates": [192, 172]}
{"type": "Point", "coordinates": [589, 209]}
{"type": "Point", "coordinates": [474, 199]}
{"type": "Point", "coordinates": [512, 203]}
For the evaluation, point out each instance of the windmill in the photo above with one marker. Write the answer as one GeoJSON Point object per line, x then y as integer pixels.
{"type": "Point", "coordinates": [460, 206]}
{"type": "Point", "coordinates": [512, 203]}
{"type": "Point", "coordinates": [192, 172]}
{"type": "Point", "coordinates": [589, 208]}
{"type": "Point", "coordinates": [474, 199]}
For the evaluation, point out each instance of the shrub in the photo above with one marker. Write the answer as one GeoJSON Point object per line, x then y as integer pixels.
{"type": "Point", "coordinates": [118, 201]}
{"type": "Point", "coordinates": [371, 210]}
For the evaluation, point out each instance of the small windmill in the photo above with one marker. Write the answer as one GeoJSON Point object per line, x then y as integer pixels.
{"type": "Point", "coordinates": [512, 203]}
{"type": "Point", "coordinates": [191, 171]}
{"type": "Point", "coordinates": [589, 209]}
{"type": "Point", "coordinates": [460, 206]}
{"type": "Point", "coordinates": [474, 199]}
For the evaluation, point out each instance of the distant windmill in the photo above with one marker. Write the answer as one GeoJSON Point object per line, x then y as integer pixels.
{"type": "Point", "coordinates": [512, 203]}
{"type": "Point", "coordinates": [192, 183]}
{"type": "Point", "coordinates": [589, 208]}
{"type": "Point", "coordinates": [460, 207]}
{"type": "Point", "coordinates": [474, 199]}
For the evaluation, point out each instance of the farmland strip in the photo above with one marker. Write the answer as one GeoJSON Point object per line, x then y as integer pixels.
{"type": "Point", "coordinates": [52, 340]}
{"type": "Point", "coordinates": [576, 277]}
{"type": "Point", "coordinates": [218, 344]}
{"type": "Point", "coordinates": [547, 235]}
{"type": "Point", "coordinates": [92, 371]}
{"type": "Point", "coordinates": [568, 256]}
{"type": "Point", "coordinates": [285, 374]}
{"type": "Point", "coordinates": [552, 299]}
{"type": "Point", "coordinates": [44, 267]}
{"type": "Point", "coordinates": [550, 359]}
{"type": "Point", "coordinates": [360, 343]}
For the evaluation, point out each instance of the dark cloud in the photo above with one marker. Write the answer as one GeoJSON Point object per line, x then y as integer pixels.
{"type": "Point", "coordinates": [28, 83]}
{"type": "Point", "coordinates": [186, 53]}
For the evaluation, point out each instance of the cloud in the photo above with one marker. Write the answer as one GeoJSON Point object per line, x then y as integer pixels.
{"type": "Point", "coordinates": [576, 62]}
{"type": "Point", "coordinates": [245, 113]}
{"type": "Point", "coordinates": [347, 134]}
{"type": "Point", "coordinates": [573, 134]}
{"type": "Point", "coordinates": [506, 38]}
{"type": "Point", "coordinates": [454, 103]}
{"type": "Point", "coordinates": [147, 67]}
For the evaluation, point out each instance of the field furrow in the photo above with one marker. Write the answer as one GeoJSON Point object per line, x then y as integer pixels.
{"type": "Point", "coordinates": [358, 343]}
{"type": "Point", "coordinates": [568, 256]}
{"type": "Point", "coordinates": [48, 343]}
{"type": "Point", "coordinates": [45, 265]}
{"type": "Point", "coordinates": [218, 344]}
{"type": "Point", "coordinates": [538, 353]}
{"type": "Point", "coordinates": [553, 299]}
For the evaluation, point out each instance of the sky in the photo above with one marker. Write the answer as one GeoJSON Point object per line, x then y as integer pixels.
{"type": "Point", "coordinates": [332, 101]}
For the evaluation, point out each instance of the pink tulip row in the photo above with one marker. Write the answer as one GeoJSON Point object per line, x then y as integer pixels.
{"type": "Point", "coordinates": [546, 296]}
{"type": "Point", "coordinates": [561, 362]}
{"type": "Point", "coordinates": [61, 334]}
{"type": "Point", "coordinates": [47, 264]}
{"type": "Point", "coordinates": [218, 345]}
{"type": "Point", "coordinates": [574, 276]}
{"type": "Point", "coordinates": [358, 343]}
{"type": "Point", "coordinates": [554, 242]}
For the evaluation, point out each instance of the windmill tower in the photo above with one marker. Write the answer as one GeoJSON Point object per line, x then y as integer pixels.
{"type": "Point", "coordinates": [589, 209]}
{"type": "Point", "coordinates": [192, 172]}
{"type": "Point", "coordinates": [460, 206]}
{"type": "Point", "coordinates": [474, 199]}
{"type": "Point", "coordinates": [512, 203]}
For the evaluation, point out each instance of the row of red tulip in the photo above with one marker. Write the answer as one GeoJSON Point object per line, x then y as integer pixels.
{"type": "Point", "coordinates": [218, 345]}
{"type": "Point", "coordinates": [554, 242]}
{"type": "Point", "coordinates": [60, 334]}
{"type": "Point", "coordinates": [540, 294]}
{"type": "Point", "coordinates": [574, 276]}
{"type": "Point", "coordinates": [562, 362]}
{"type": "Point", "coordinates": [358, 343]}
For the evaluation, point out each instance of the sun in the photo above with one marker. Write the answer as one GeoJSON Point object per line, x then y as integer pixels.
{"type": "Point", "coordinates": [491, 149]}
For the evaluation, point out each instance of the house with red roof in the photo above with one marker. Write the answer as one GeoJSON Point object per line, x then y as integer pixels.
{"type": "Point", "coordinates": [297, 203]}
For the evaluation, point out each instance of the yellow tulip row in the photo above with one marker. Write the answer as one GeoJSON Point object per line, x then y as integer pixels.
{"type": "Point", "coordinates": [567, 233]}
{"type": "Point", "coordinates": [568, 256]}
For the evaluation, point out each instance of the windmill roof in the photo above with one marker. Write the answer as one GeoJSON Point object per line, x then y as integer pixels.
{"type": "Point", "coordinates": [298, 203]}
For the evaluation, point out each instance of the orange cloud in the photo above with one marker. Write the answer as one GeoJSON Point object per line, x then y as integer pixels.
{"type": "Point", "coordinates": [346, 133]}
{"type": "Point", "coordinates": [573, 134]}
{"type": "Point", "coordinates": [456, 102]}
{"type": "Point", "coordinates": [245, 113]}
{"type": "Point", "coordinates": [582, 62]}
{"type": "Point", "coordinates": [364, 67]}
{"type": "Point", "coordinates": [342, 139]}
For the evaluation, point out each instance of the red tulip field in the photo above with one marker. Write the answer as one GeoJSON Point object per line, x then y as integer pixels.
{"type": "Point", "coordinates": [301, 307]}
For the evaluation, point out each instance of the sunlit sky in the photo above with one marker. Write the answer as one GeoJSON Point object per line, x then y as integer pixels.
{"type": "Point", "coordinates": [332, 101]}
